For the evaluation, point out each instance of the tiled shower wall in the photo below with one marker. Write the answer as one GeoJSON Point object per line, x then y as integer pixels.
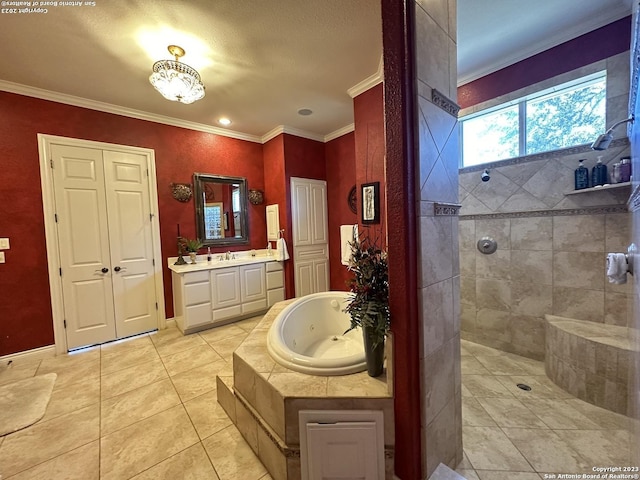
{"type": "Point", "coordinates": [551, 246]}
{"type": "Point", "coordinates": [439, 280]}
{"type": "Point", "coordinates": [544, 264]}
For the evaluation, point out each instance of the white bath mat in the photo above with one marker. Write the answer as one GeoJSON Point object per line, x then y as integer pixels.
{"type": "Point", "coordinates": [24, 402]}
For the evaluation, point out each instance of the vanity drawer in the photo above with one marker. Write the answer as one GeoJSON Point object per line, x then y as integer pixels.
{"type": "Point", "coordinates": [274, 266]}
{"type": "Point", "coordinates": [275, 296]}
{"type": "Point", "coordinates": [196, 277]}
{"type": "Point", "coordinates": [274, 280]}
{"type": "Point", "coordinates": [197, 315]}
{"type": "Point", "coordinates": [225, 313]}
{"type": "Point", "coordinates": [255, 306]}
{"type": "Point", "coordinates": [196, 293]}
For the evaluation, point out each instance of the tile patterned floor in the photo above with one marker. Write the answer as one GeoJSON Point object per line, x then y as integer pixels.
{"type": "Point", "coordinates": [144, 408]}
{"type": "Point", "coordinates": [147, 408]}
{"type": "Point", "coordinates": [509, 433]}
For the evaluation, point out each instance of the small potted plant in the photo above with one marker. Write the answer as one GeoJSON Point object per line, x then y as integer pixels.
{"type": "Point", "coordinates": [369, 304]}
{"type": "Point", "coordinates": [192, 246]}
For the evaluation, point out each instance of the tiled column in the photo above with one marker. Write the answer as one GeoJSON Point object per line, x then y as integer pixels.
{"type": "Point", "coordinates": [439, 276]}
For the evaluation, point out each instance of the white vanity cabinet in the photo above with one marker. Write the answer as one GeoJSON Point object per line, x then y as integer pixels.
{"type": "Point", "coordinates": [191, 299]}
{"type": "Point", "coordinates": [225, 293]}
{"type": "Point", "coordinates": [218, 294]}
{"type": "Point", "coordinates": [238, 291]}
{"type": "Point", "coordinates": [253, 291]}
{"type": "Point", "coordinates": [275, 283]}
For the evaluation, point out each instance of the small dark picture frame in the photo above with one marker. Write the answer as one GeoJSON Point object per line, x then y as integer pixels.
{"type": "Point", "coordinates": [370, 201]}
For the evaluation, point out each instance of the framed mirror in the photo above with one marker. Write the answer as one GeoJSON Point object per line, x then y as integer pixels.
{"type": "Point", "coordinates": [222, 216]}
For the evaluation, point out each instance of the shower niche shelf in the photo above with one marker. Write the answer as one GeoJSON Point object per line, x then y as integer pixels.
{"type": "Point", "coordinates": [610, 186]}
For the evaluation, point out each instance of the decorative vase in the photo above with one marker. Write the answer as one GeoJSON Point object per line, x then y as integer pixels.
{"type": "Point", "coordinates": [192, 256]}
{"type": "Point", "coordinates": [373, 355]}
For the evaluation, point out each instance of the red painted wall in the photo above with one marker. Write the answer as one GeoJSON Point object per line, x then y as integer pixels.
{"type": "Point", "coordinates": [287, 156]}
{"type": "Point", "coordinates": [370, 153]}
{"type": "Point", "coordinates": [341, 176]}
{"type": "Point", "coordinates": [302, 158]}
{"type": "Point", "coordinates": [25, 307]}
{"type": "Point", "coordinates": [597, 45]}
{"type": "Point", "coordinates": [277, 191]}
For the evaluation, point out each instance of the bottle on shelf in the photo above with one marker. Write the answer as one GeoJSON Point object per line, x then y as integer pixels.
{"type": "Point", "coordinates": [616, 176]}
{"type": "Point", "coordinates": [581, 176]}
{"type": "Point", "coordinates": [599, 173]}
{"type": "Point", "coordinates": [625, 169]}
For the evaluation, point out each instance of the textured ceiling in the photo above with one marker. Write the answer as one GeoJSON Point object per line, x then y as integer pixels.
{"type": "Point", "coordinates": [260, 60]}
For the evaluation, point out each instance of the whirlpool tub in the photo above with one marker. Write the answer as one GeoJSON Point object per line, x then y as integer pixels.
{"type": "Point", "coordinates": [308, 336]}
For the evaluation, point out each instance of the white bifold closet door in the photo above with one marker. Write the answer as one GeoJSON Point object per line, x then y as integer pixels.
{"type": "Point", "coordinates": [105, 243]}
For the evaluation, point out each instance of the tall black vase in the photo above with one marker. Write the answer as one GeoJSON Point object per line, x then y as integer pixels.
{"type": "Point", "coordinates": [373, 355]}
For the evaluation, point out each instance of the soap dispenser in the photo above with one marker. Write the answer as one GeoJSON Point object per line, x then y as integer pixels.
{"type": "Point", "coordinates": [581, 176]}
{"type": "Point", "coordinates": [599, 173]}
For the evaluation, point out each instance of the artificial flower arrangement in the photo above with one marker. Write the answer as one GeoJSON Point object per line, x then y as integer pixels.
{"type": "Point", "coordinates": [369, 304]}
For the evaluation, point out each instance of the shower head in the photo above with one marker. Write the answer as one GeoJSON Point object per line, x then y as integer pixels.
{"type": "Point", "coordinates": [485, 175]}
{"type": "Point", "coordinates": [604, 140]}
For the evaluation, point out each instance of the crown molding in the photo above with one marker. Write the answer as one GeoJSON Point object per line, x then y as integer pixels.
{"type": "Point", "coordinates": [368, 82]}
{"type": "Point", "coordinates": [72, 100]}
{"type": "Point", "coordinates": [291, 131]}
{"type": "Point", "coordinates": [340, 132]}
{"type": "Point", "coordinates": [119, 110]}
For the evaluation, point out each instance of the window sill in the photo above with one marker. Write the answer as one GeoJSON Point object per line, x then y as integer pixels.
{"type": "Point", "coordinates": [608, 186]}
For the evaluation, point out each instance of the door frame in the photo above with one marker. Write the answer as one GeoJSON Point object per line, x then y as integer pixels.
{"type": "Point", "coordinates": [51, 236]}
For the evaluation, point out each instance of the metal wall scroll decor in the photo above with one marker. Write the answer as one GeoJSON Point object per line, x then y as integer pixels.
{"type": "Point", "coordinates": [182, 191]}
{"type": "Point", "coordinates": [352, 200]}
{"type": "Point", "coordinates": [256, 197]}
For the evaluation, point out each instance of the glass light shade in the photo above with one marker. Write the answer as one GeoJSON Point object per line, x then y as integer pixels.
{"type": "Point", "coordinates": [177, 81]}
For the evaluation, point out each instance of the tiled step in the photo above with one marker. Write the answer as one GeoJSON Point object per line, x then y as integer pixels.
{"type": "Point", "coordinates": [226, 396]}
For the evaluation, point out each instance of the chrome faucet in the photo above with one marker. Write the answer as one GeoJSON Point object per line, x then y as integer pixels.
{"type": "Point", "coordinates": [227, 256]}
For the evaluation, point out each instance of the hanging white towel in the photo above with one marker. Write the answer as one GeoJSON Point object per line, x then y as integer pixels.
{"type": "Point", "coordinates": [281, 250]}
{"type": "Point", "coordinates": [348, 234]}
{"type": "Point", "coordinates": [617, 268]}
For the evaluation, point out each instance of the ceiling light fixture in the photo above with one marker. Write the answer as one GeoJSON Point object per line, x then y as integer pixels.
{"type": "Point", "coordinates": [224, 121]}
{"type": "Point", "coordinates": [177, 81]}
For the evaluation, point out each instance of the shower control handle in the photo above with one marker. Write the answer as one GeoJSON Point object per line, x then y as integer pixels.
{"type": "Point", "coordinates": [487, 245]}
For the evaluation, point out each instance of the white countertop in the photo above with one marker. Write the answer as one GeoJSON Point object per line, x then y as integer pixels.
{"type": "Point", "coordinates": [242, 258]}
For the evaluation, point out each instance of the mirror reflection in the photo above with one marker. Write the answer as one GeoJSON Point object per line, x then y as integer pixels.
{"type": "Point", "coordinates": [221, 209]}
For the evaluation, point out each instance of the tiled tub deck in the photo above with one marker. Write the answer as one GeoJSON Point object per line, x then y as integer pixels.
{"type": "Point", "coordinates": [591, 360]}
{"type": "Point", "coordinates": [263, 400]}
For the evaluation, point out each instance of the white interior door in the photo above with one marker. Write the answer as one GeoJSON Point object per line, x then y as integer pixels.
{"type": "Point", "coordinates": [310, 237]}
{"type": "Point", "coordinates": [103, 213]}
{"type": "Point", "coordinates": [129, 217]}
{"type": "Point", "coordinates": [83, 240]}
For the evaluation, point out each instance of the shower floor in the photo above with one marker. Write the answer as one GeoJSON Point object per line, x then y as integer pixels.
{"type": "Point", "coordinates": [510, 433]}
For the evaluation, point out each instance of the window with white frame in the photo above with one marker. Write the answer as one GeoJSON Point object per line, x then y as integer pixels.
{"type": "Point", "coordinates": [567, 115]}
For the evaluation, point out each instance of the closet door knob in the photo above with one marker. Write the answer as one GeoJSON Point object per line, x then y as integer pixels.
{"type": "Point", "coordinates": [117, 269]}
{"type": "Point", "coordinates": [103, 270]}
